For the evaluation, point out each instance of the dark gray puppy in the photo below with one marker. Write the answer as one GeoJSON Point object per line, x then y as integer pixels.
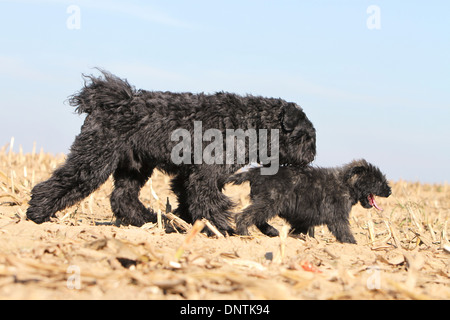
{"type": "Point", "coordinates": [310, 196]}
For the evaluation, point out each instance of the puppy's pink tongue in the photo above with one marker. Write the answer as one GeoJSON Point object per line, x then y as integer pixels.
{"type": "Point", "coordinates": [373, 203]}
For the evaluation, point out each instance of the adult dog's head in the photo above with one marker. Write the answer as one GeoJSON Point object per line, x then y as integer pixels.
{"type": "Point", "coordinates": [297, 136]}
{"type": "Point", "coordinates": [365, 182]}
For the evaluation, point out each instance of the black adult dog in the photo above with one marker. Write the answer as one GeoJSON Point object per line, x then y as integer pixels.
{"type": "Point", "coordinates": [309, 196]}
{"type": "Point", "coordinates": [128, 133]}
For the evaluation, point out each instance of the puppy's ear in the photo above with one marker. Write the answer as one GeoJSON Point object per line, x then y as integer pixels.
{"type": "Point", "coordinates": [290, 116]}
{"type": "Point", "coordinates": [358, 170]}
{"type": "Point", "coordinates": [355, 171]}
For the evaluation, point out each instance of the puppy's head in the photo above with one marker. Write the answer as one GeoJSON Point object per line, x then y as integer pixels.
{"type": "Point", "coordinates": [366, 181]}
{"type": "Point", "coordinates": [300, 145]}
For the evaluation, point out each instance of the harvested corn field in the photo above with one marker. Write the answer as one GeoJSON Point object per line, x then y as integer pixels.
{"type": "Point", "coordinates": [402, 253]}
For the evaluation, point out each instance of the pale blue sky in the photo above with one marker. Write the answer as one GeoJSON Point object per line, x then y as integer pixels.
{"type": "Point", "coordinates": [381, 94]}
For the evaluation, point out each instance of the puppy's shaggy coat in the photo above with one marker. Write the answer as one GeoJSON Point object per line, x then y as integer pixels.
{"type": "Point", "coordinates": [127, 133]}
{"type": "Point", "coordinates": [309, 196]}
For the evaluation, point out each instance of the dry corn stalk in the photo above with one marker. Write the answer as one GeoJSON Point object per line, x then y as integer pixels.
{"type": "Point", "coordinates": [371, 231]}
{"type": "Point", "coordinates": [281, 253]}
{"type": "Point", "coordinates": [196, 228]}
{"type": "Point", "coordinates": [444, 240]}
{"type": "Point", "coordinates": [177, 222]}
{"type": "Point", "coordinates": [212, 228]}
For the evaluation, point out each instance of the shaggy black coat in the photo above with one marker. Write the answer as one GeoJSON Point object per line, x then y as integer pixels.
{"type": "Point", "coordinates": [310, 196]}
{"type": "Point", "coordinates": [127, 133]}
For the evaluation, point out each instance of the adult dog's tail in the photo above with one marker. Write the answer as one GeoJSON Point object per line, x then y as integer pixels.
{"type": "Point", "coordinates": [104, 93]}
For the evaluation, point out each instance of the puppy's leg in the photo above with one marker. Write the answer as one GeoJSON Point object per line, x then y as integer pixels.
{"type": "Point", "coordinates": [340, 228]}
{"type": "Point", "coordinates": [129, 178]}
{"type": "Point", "coordinates": [244, 220]}
{"type": "Point", "coordinates": [268, 230]}
{"type": "Point", "coordinates": [88, 166]}
{"type": "Point", "coordinates": [298, 228]}
{"type": "Point", "coordinates": [256, 214]}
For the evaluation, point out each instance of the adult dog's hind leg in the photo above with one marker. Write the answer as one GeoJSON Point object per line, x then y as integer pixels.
{"type": "Point", "coordinates": [88, 166]}
{"type": "Point", "coordinates": [129, 177]}
{"type": "Point", "coordinates": [178, 185]}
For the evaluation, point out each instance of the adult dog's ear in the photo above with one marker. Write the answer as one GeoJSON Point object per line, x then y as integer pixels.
{"type": "Point", "coordinates": [290, 116]}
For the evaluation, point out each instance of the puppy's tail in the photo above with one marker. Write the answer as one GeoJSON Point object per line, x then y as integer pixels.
{"type": "Point", "coordinates": [102, 93]}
